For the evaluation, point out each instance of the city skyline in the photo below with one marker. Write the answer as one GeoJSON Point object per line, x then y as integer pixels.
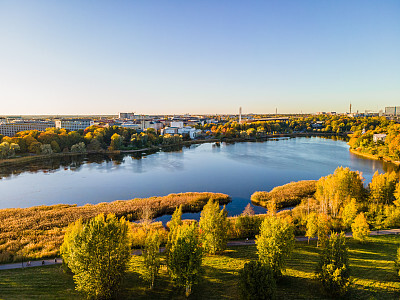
{"type": "Point", "coordinates": [154, 57]}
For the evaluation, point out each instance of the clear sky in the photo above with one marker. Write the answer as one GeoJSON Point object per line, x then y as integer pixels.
{"type": "Point", "coordinates": [163, 57]}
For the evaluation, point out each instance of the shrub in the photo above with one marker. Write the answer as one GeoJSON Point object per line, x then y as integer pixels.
{"type": "Point", "coordinates": [333, 268]}
{"type": "Point", "coordinates": [257, 281]}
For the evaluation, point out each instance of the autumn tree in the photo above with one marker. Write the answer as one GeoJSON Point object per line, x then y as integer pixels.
{"type": "Point", "coordinates": [214, 227]}
{"type": "Point", "coordinates": [360, 228]}
{"type": "Point", "coordinates": [333, 190]}
{"type": "Point", "coordinates": [349, 213]}
{"type": "Point", "coordinates": [275, 243]}
{"type": "Point", "coordinates": [185, 257]}
{"type": "Point", "coordinates": [323, 229]}
{"type": "Point", "coordinates": [97, 253]}
{"type": "Point", "coordinates": [382, 188]}
{"type": "Point", "coordinates": [312, 226]}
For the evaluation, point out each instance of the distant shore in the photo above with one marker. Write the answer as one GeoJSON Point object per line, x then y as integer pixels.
{"type": "Point", "coordinates": [17, 161]}
{"type": "Point", "coordinates": [375, 157]}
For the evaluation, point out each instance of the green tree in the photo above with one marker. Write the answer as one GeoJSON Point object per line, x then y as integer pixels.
{"type": "Point", "coordinates": [46, 149]}
{"type": "Point", "coordinates": [333, 268]}
{"type": "Point", "coordinates": [79, 147]}
{"type": "Point", "coordinates": [116, 142]}
{"type": "Point", "coordinates": [173, 225]}
{"type": "Point", "coordinates": [185, 257]}
{"type": "Point", "coordinates": [275, 243]}
{"type": "Point", "coordinates": [97, 253]}
{"type": "Point", "coordinates": [257, 281]}
{"type": "Point", "coordinates": [214, 227]}
{"type": "Point", "coordinates": [360, 228]}
{"type": "Point", "coordinates": [151, 257]}
{"type": "Point", "coordinates": [312, 226]}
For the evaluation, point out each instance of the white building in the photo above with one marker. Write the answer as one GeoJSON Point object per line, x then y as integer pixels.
{"type": "Point", "coordinates": [169, 130]}
{"type": "Point", "coordinates": [192, 132]}
{"type": "Point", "coordinates": [132, 125]}
{"type": "Point", "coordinates": [10, 129]}
{"type": "Point", "coordinates": [74, 124]}
{"type": "Point", "coordinates": [178, 124]}
{"type": "Point", "coordinates": [379, 137]}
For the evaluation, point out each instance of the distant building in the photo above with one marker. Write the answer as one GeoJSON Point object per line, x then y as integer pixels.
{"type": "Point", "coordinates": [129, 116]}
{"type": "Point", "coordinates": [178, 124]}
{"type": "Point", "coordinates": [392, 110]}
{"type": "Point", "coordinates": [74, 124]}
{"type": "Point", "coordinates": [10, 129]}
{"type": "Point", "coordinates": [379, 137]}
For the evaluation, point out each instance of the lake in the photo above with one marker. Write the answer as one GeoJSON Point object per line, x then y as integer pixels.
{"type": "Point", "coordinates": [237, 169]}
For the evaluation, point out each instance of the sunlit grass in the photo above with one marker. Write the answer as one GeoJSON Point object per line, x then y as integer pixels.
{"type": "Point", "coordinates": [372, 274]}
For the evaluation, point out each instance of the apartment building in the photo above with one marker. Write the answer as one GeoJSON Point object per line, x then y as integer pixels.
{"type": "Point", "coordinates": [74, 124]}
{"type": "Point", "coordinates": [10, 129]}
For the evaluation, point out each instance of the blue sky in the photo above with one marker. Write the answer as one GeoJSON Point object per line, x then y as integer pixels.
{"type": "Point", "coordinates": [153, 57]}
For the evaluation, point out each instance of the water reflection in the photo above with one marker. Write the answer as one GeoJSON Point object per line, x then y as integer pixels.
{"type": "Point", "coordinates": [237, 169]}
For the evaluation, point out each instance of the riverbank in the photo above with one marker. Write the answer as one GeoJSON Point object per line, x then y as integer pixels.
{"type": "Point", "coordinates": [374, 157]}
{"type": "Point", "coordinates": [31, 158]}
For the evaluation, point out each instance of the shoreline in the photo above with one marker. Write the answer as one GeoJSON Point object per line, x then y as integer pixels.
{"type": "Point", "coordinates": [374, 157]}
{"type": "Point", "coordinates": [17, 161]}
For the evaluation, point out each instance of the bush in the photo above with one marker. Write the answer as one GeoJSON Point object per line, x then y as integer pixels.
{"type": "Point", "coordinates": [257, 281]}
{"type": "Point", "coordinates": [333, 267]}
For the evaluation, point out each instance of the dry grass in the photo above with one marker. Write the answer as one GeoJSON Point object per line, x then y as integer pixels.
{"type": "Point", "coordinates": [286, 195]}
{"type": "Point", "coordinates": [38, 232]}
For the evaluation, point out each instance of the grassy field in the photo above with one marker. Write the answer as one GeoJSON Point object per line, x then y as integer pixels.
{"type": "Point", "coordinates": [373, 276]}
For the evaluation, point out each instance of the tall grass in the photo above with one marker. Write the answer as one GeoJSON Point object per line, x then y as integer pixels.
{"type": "Point", "coordinates": [286, 195]}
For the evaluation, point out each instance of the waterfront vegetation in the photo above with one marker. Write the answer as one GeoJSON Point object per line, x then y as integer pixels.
{"type": "Point", "coordinates": [373, 275]}
{"type": "Point", "coordinates": [287, 195]}
{"type": "Point", "coordinates": [37, 232]}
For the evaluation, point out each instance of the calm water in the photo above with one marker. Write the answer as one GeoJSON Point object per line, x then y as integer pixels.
{"type": "Point", "coordinates": [235, 169]}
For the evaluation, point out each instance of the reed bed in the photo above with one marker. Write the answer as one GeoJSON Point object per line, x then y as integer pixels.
{"type": "Point", "coordinates": [37, 232]}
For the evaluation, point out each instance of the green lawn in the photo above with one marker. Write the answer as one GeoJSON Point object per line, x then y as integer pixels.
{"type": "Point", "coordinates": [373, 276]}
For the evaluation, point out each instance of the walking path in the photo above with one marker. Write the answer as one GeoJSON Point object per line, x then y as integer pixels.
{"type": "Point", "coordinates": [38, 263]}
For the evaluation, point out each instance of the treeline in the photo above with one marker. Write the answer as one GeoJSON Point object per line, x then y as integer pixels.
{"type": "Point", "coordinates": [37, 232]}
{"type": "Point", "coordinates": [92, 139]}
{"type": "Point", "coordinates": [389, 148]}
{"type": "Point", "coordinates": [321, 123]}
